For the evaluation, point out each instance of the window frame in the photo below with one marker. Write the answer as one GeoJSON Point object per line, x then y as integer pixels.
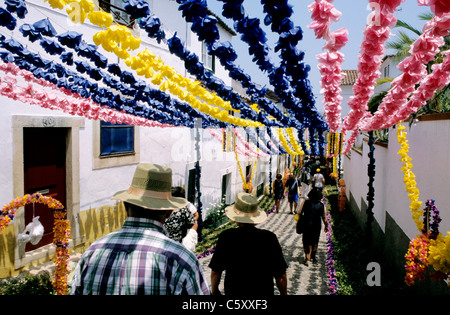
{"type": "Point", "coordinates": [206, 58]}
{"type": "Point", "coordinates": [115, 126]}
{"type": "Point", "coordinates": [105, 161]}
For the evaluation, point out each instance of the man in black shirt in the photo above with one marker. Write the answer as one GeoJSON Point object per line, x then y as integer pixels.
{"type": "Point", "coordinates": [250, 257]}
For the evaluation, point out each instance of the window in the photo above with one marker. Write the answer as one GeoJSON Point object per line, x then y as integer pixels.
{"type": "Point", "coordinates": [208, 61]}
{"type": "Point", "coordinates": [386, 71]}
{"type": "Point", "coordinates": [116, 139]}
{"type": "Point", "coordinates": [115, 7]}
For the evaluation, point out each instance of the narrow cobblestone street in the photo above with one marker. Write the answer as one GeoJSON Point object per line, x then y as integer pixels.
{"type": "Point", "coordinates": [302, 279]}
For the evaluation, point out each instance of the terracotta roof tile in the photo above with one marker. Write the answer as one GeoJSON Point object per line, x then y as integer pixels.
{"type": "Point", "coordinates": [350, 77]}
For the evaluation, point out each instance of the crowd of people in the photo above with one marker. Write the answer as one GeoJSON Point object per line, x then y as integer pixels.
{"type": "Point", "coordinates": [153, 252]}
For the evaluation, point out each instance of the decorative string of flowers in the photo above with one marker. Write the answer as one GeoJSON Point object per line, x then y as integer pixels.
{"type": "Point", "coordinates": [257, 138]}
{"type": "Point", "coordinates": [205, 27]}
{"type": "Point", "coordinates": [323, 13]}
{"type": "Point", "coordinates": [61, 231]}
{"type": "Point", "coordinates": [376, 32]}
{"type": "Point", "coordinates": [371, 191]}
{"type": "Point", "coordinates": [417, 259]}
{"type": "Point", "coordinates": [409, 177]}
{"type": "Point", "coordinates": [285, 144]}
{"type": "Point", "coordinates": [182, 115]}
{"type": "Point", "coordinates": [172, 85]}
{"type": "Point", "coordinates": [61, 238]}
{"type": "Point", "coordinates": [247, 182]}
{"type": "Point", "coordinates": [396, 106]}
{"type": "Point", "coordinates": [293, 141]}
{"type": "Point", "coordinates": [301, 104]}
{"type": "Point", "coordinates": [30, 94]}
{"type": "Point", "coordinates": [331, 272]}
{"type": "Point", "coordinates": [428, 249]}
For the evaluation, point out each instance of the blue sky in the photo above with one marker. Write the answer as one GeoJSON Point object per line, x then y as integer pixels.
{"type": "Point", "coordinates": [354, 18]}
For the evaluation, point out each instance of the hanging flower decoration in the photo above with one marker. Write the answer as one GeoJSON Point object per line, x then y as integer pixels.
{"type": "Point", "coordinates": [376, 33]}
{"type": "Point", "coordinates": [430, 248]}
{"type": "Point", "coordinates": [323, 13]}
{"type": "Point", "coordinates": [431, 211]}
{"type": "Point", "coordinates": [409, 177]}
{"type": "Point", "coordinates": [293, 141]}
{"type": "Point", "coordinates": [396, 105]}
{"type": "Point", "coordinates": [247, 186]}
{"type": "Point", "coordinates": [90, 110]}
{"type": "Point", "coordinates": [371, 191]}
{"type": "Point", "coordinates": [117, 39]}
{"type": "Point", "coordinates": [417, 259]}
{"type": "Point", "coordinates": [61, 231]}
{"type": "Point", "coordinates": [100, 18]}
{"type": "Point", "coordinates": [331, 271]}
{"type": "Point", "coordinates": [284, 142]}
{"type": "Point", "coordinates": [439, 257]}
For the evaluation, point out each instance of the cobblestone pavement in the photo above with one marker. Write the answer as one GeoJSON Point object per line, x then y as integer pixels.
{"type": "Point", "coordinates": [302, 279]}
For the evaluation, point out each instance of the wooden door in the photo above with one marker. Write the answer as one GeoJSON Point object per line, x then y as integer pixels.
{"type": "Point", "coordinates": [45, 172]}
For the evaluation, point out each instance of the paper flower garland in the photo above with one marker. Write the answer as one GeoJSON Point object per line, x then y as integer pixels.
{"type": "Point", "coordinates": [61, 231]}
{"type": "Point", "coordinates": [372, 49]}
{"type": "Point", "coordinates": [323, 13]}
{"type": "Point", "coordinates": [409, 177]}
{"type": "Point", "coordinates": [395, 105]}
{"type": "Point", "coordinates": [117, 39]}
{"type": "Point", "coordinates": [428, 249]}
{"type": "Point", "coordinates": [371, 191]}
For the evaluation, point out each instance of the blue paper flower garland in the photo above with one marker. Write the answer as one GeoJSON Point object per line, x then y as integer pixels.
{"type": "Point", "coordinates": [371, 192]}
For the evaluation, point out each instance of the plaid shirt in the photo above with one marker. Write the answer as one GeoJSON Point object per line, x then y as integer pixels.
{"type": "Point", "coordinates": [139, 259]}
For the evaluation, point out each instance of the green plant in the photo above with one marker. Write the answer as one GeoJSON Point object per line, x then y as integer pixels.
{"type": "Point", "coordinates": [352, 254]}
{"type": "Point", "coordinates": [39, 284]}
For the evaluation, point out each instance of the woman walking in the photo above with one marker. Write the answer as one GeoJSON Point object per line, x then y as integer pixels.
{"type": "Point", "coordinates": [313, 210]}
{"type": "Point", "coordinates": [278, 189]}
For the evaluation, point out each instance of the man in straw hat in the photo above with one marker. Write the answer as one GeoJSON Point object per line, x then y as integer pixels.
{"type": "Point", "coordinates": [140, 258]}
{"type": "Point", "coordinates": [250, 257]}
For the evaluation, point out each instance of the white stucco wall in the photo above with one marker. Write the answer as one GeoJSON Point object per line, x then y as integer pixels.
{"type": "Point", "coordinates": [431, 166]}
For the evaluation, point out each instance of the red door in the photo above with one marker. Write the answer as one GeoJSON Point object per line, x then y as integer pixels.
{"type": "Point", "coordinates": [45, 172]}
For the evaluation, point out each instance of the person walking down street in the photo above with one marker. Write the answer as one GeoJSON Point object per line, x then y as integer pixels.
{"type": "Point", "coordinates": [292, 186]}
{"type": "Point", "coordinates": [251, 258]}
{"type": "Point", "coordinates": [182, 224]}
{"type": "Point", "coordinates": [140, 258]}
{"type": "Point", "coordinates": [305, 180]}
{"type": "Point", "coordinates": [318, 180]}
{"type": "Point", "coordinates": [314, 211]}
{"type": "Point", "coordinates": [278, 190]}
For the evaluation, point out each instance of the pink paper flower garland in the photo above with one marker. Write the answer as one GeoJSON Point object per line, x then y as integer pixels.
{"type": "Point", "coordinates": [323, 13]}
{"type": "Point", "coordinates": [395, 106]}
{"type": "Point", "coordinates": [46, 99]}
{"type": "Point", "coordinates": [372, 49]}
{"type": "Point", "coordinates": [246, 151]}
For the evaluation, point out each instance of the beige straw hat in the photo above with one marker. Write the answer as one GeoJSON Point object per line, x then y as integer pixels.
{"type": "Point", "coordinates": [245, 210]}
{"type": "Point", "coordinates": [151, 188]}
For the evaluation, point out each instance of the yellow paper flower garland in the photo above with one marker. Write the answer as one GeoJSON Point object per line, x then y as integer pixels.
{"type": "Point", "coordinates": [100, 18]}
{"type": "Point", "coordinates": [439, 254]}
{"type": "Point", "coordinates": [146, 63]}
{"type": "Point", "coordinates": [435, 253]}
{"type": "Point", "coordinates": [117, 39]}
{"type": "Point", "coordinates": [284, 142]}
{"type": "Point", "coordinates": [246, 185]}
{"type": "Point", "coordinates": [294, 143]}
{"type": "Point", "coordinates": [409, 177]}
